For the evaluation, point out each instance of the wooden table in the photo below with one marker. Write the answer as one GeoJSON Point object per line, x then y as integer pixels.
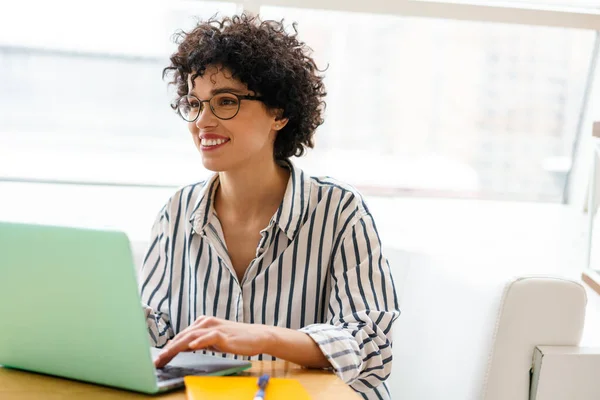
{"type": "Point", "coordinates": [18, 385]}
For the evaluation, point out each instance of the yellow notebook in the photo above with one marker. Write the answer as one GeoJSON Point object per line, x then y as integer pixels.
{"type": "Point", "coordinates": [241, 388]}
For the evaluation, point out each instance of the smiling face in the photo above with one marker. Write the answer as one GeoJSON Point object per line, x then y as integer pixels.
{"type": "Point", "coordinates": [237, 142]}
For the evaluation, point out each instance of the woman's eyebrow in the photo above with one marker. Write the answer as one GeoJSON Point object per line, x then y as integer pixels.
{"type": "Point", "coordinates": [225, 89]}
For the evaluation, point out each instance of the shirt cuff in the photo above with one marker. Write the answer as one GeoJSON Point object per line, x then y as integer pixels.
{"type": "Point", "coordinates": [158, 329]}
{"type": "Point", "coordinates": [339, 347]}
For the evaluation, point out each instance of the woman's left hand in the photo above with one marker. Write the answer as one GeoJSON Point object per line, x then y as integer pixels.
{"type": "Point", "coordinates": [220, 335]}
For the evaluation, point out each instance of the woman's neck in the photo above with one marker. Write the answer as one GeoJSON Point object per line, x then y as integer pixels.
{"type": "Point", "coordinates": [250, 192]}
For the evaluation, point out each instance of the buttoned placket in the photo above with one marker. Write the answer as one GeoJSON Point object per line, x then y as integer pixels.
{"type": "Point", "coordinates": [210, 233]}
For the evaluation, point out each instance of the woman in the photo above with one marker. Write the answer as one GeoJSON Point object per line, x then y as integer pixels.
{"type": "Point", "coordinates": [261, 261]}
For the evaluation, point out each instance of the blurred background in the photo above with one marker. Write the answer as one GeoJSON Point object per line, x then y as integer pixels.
{"type": "Point", "coordinates": [467, 126]}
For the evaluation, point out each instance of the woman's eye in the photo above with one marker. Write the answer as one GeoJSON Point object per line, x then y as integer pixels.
{"type": "Point", "coordinates": [228, 102]}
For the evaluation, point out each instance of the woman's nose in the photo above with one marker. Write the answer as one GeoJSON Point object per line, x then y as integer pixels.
{"type": "Point", "coordinates": [206, 118]}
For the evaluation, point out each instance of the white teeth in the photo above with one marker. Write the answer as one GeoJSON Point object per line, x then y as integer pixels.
{"type": "Point", "coordinates": [212, 142]}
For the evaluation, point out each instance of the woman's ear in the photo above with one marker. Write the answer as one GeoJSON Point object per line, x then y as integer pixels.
{"type": "Point", "coordinates": [279, 123]}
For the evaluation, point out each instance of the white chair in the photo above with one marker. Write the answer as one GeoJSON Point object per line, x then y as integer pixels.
{"type": "Point", "coordinates": [470, 333]}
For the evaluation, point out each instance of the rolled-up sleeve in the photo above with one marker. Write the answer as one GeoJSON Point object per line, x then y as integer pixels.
{"type": "Point", "coordinates": [363, 306]}
{"type": "Point", "coordinates": [154, 282]}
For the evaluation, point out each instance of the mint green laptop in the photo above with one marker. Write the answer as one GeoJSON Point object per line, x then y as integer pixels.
{"type": "Point", "coordinates": [70, 307]}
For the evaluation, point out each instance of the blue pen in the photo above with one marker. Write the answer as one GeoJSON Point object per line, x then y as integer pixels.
{"type": "Point", "coordinates": [262, 385]}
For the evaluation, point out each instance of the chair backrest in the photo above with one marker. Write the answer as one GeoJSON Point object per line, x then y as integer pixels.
{"type": "Point", "coordinates": [464, 323]}
{"type": "Point", "coordinates": [534, 311]}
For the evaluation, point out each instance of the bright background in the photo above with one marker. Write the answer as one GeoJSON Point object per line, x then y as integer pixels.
{"type": "Point", "coordinates": [467, 126]}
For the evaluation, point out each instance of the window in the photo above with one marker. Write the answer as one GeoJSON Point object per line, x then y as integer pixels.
{"type": "Point", "coordinates": [415, 105]}
{"type": "Point", "coordinates": [441, 106]}
{"type": "Point", "coordinates": [86, 102]}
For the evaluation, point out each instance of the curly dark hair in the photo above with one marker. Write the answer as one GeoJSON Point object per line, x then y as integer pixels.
{"type": "Point", "coordinates": [274, 64]}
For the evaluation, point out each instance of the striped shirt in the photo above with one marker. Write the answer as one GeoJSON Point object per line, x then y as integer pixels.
{"type": "Point", "coordinates": [319, 269]}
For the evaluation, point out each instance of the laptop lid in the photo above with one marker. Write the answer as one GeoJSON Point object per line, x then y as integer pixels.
{"type": "Point", "coordinates": [70, 306]}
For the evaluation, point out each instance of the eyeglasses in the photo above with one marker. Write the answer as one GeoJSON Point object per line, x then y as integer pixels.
{"type": "Point", "coordinates": [223, 105]}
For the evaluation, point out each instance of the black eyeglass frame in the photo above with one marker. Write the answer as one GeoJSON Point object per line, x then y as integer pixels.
{"type": "Point", "coordinates": [239, 97]}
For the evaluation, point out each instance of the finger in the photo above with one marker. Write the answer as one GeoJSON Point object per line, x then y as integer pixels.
{"type": "Point", "coordinates": [195, 324]}
{"type": "Point", "coordinates": [179, 344]}
{"type": "Point", "coordinates": [203, 321]}
{"type": "Point", "coordinates": [181, 341]}
{"type": "Point", "coordinates": [212, 338]}
{"type": "Point", "coordinates": [161, 360]}
{"type": "Point", "coordinates": [207, 321]}
{"type": "Point", "coordinates": [185, 336]}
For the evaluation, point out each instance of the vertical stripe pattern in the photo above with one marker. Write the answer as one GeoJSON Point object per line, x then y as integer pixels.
{"type": "Point", "coordinates": [319, 269]}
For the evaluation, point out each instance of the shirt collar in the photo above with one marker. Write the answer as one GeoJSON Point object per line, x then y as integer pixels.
{"type": "Point", "coordinates": [294, 205]}
{"type": "Point", "coordinates": [288, 216]}
{"type": "Point", "coordinates": [204, 205]}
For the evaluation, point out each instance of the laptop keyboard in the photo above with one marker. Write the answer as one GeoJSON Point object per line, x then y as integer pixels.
{"type": "Point", "coordinates": [168, 372]}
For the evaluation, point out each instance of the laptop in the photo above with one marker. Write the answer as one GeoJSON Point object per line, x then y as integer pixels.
{"type": "Point", "coordinates": [70, 307]}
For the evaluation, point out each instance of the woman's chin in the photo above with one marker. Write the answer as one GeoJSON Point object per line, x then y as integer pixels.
{"type": "Point", "coordinates": [213, 164]}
